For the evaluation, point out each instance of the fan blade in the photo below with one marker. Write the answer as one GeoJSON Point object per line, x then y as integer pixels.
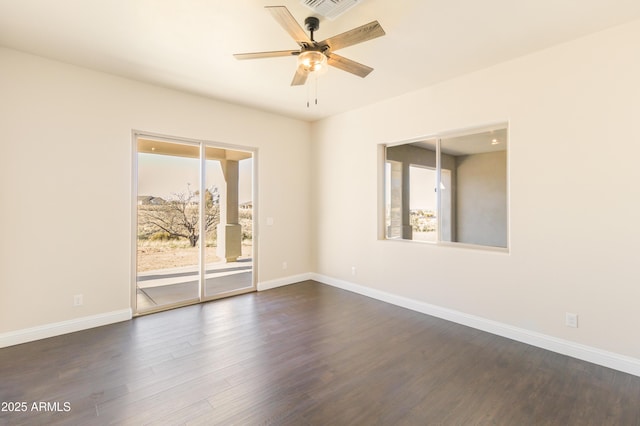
{"type": "Point", "coordinates": [300, 77]}
{"type": "Point", "coordinates": [348, 65]}
{"type": "Point", "coordinates": [273, 54]}
{"type": "Point", "coordinates": [354, 36]}
{"type": "Point", "coordinates": [289, 23]}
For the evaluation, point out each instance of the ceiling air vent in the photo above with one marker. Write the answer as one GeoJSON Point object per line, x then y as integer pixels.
{"type": "Point", "coordinates": [330, 8]}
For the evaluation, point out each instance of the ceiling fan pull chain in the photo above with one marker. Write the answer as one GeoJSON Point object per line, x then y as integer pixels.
{"type": "Point", "coordinates": [316, 83]}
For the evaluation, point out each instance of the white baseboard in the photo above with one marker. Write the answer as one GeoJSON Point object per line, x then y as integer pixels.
{"type": "Point", "coordinates": [50, 330]}
{"type": "Point", "coordinates": [586, 353]}
{"type": "Point", "coordinates": [266, 285]}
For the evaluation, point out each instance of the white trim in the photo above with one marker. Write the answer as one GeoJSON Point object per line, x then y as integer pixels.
{"type": "Point", "coordinates": [202, 232]}
{"type": "Point", "coordinates": [279, 282]}
{"type": "Point", "coordinates": [255, 226]}
{"type": "Point", "coordinates": [133, 291]}
{"type": "Point", "coordinates": [576, 350]}
{"type": "Point", "coordinates": [56, 329]}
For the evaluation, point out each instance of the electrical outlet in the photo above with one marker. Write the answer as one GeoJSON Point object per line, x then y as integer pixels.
{"type": "Point", "coordinates": [354, 271]}
{"type": "Point", "coordinates": [77, 300]}
{"type": "Point", "coordinates": [284, 265]}
{"type": "Point", "coordinates": [571, 320]}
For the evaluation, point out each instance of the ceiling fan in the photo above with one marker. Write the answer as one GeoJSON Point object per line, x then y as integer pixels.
{"type": "Point", "coordinates": [315, 55]}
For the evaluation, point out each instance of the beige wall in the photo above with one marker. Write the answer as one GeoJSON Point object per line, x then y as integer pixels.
{"type": "Point", "coordinates": [65, 180]}
{"type": "Point", "coordinates": [574, 199]}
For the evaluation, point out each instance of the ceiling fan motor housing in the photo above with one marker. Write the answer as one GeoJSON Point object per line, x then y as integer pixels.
{"type": "Point", "coordinates": [312, 23]}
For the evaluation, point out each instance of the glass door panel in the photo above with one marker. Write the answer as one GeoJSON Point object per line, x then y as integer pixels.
{"type": "Point", "coordinates": [167, 249]}
{"type": "Point", "coordinates": [228, 249]}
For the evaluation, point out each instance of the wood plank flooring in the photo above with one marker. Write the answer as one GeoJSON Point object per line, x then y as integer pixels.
{"type": "Point", "coordinates": [305, 354]}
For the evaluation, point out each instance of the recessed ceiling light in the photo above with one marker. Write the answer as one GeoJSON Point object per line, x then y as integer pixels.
{"type": "Point", "coordinates": [494, 142]}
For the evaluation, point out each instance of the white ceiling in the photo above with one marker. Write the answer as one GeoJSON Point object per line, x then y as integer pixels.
{"type": "Point", "coordinates": [478, 141]}
{"type": "Point", "coordinates": [188, 44]}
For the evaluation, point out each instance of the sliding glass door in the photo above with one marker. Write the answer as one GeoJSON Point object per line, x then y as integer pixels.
{"type": "Point", "coordinates": [194, 222]}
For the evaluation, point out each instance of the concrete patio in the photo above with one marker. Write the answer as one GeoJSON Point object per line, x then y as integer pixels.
{"type": "Point", "coordinates": [168, 286]}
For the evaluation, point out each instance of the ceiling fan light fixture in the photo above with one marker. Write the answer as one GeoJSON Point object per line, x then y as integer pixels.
{"type": "Point", "coordinates": [312, 61]}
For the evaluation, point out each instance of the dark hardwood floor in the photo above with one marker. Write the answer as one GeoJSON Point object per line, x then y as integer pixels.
{"type": "Point", "coordinates": [305, 354]}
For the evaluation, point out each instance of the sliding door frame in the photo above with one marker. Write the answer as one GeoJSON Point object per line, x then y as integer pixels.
{"type": "Point", "coordinates": [202, 144]}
